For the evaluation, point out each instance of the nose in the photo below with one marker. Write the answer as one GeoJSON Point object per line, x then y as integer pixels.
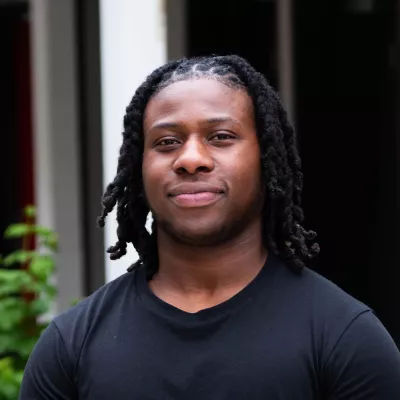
{"type": "Point", "coordinates": [193, 157]}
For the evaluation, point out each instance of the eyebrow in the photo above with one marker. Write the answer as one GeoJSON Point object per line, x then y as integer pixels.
{"type": "Point", "coordinates": [217, 120]}
{"type": "Point", "coordinates": [209, 121]}
{"type": "Point", "coordinates": [166, 125]}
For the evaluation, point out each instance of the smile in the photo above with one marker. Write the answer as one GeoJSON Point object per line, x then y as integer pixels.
{"type": "Point", "coordinates": [192, 195]}
{"type": "Point", "coordinates": [193, 200]}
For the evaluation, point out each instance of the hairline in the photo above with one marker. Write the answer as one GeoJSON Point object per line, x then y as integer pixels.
{"type": "Point", "coordinates": [197, 76]}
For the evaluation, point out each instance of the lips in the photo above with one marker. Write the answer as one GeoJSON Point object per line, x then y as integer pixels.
{"type": "Point", "coordinates": [196, 194]}
{"type": "Point", "coordinates": [193, 188]}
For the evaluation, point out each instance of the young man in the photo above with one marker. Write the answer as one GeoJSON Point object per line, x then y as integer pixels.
{"type": "Point", "coordinates": [220, 304]}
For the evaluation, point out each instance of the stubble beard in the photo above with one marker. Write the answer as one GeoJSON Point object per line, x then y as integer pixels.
{"type": "Point", "coordinates": [226, 232]}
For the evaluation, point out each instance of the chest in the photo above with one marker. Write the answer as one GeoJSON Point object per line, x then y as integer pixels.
{"type": "Point", "coordinates": [165, 364]}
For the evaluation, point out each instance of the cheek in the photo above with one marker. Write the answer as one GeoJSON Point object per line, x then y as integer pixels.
{"type": "Point", "coordinates": [246, 179]}
{"type": "Point", "coordinates": [251, 178]}
{"type": "Point", "coordinates": [248, 165]}
{"type": "Point", "coordinates": [152, 174]}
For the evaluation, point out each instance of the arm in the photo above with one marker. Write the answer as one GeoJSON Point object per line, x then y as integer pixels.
{"type": "Point", "coordinates": [48, 373]}
{"type": "Point", "coordinates": [365, 363]}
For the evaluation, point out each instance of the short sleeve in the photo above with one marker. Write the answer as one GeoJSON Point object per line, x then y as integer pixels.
{"type": "Point", "coordinates": [365, 363]}
{"type": "Point", "coordinates": [48, 373]}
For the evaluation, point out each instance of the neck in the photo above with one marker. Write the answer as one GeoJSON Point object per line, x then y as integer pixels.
{"type": "Point", "coordinates": [231, 264]}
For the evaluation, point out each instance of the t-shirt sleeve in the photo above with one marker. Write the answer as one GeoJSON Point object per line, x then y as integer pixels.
{"type": "Point", "coordinates": [365, 363]}
{"type": "Point", "coordinates": [48, 373]}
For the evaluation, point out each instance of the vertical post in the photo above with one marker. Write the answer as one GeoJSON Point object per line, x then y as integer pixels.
{"type": "Point", "coordinates": [91, 140]}
{"type": "Point", "coordinates": [133, 42]}
{"type": "Point", "coordinates": [285, 54]}
{"type": "Point", "coordinates": [176, 12]}
{"type": "Point", "coordinates": [56, 143]}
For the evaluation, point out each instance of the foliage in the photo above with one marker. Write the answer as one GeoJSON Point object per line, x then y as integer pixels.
{"type": "Point", "coordinates": [26, 295]}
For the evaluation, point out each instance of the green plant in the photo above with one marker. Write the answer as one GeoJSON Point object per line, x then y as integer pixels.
{"type": "Point", "coordinates": [26, 295]}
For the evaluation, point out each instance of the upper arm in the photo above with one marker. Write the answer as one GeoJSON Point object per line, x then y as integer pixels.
{"type": "Point", "coordinates": [365, 363]}
{"type": "Point", "coordinates": [49, 372]}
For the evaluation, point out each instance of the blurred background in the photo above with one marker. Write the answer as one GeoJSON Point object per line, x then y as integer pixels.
{"type": "Point", "coordinates": [70, 67]}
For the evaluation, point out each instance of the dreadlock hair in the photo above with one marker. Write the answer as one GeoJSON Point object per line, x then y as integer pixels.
{"type": "Point", "coordinates": [283, 232]}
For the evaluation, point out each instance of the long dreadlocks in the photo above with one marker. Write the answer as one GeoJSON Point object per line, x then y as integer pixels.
{"type": "Point", "coordinates": [283, 232]}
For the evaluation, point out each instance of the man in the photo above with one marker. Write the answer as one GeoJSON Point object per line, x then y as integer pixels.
{"type": "Point", "coordinates": [220, 304]}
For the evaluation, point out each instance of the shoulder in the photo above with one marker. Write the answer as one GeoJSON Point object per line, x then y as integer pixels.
{"type": "Point", "coordinates": [333, 310]}
{"type": "Point", "coordinates": [98, 309]}
{"type": "Point", "coordinates": [312, 291]}
{"type": "Point", "coordinates": [52, 366]}
{"type": "Point", "coordinates": [329, 295]}
{"type": "Point", "coordinates": [364, 362]}
{"type": "Point", "coordinates": [317, 306]}
{"type": "Point", "coordinates": [354, 354]}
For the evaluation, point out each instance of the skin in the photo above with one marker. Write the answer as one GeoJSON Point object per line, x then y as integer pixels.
{"type": "Point", "coordinates": [202, 179]}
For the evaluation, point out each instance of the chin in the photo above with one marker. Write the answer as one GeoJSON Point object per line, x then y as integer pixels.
{"type": "Point", "coordinates": [198, 235]}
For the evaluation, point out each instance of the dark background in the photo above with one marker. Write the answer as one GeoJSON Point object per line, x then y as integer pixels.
{"type": "Point", "coordinates": [345, 69]}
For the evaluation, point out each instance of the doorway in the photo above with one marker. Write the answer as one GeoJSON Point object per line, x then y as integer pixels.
{"type": "Point", "coordinates": [16, 163]}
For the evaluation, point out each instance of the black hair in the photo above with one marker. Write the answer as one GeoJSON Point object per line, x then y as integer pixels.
{"type": "Point", "coordinates": [283, 231]}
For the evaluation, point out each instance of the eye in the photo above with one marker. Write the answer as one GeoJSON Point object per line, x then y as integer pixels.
{"type": "Point", "coordinates": [166, 144]}
{"type": "Point", "coordinates": [222, 137]}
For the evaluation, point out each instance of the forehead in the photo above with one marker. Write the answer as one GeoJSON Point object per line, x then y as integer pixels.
{"type": "Point", "coordinates": [198, 98]}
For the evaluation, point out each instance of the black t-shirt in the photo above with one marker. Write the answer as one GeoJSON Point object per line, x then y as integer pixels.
{"type": "Point", "coordinates": [285, 336]}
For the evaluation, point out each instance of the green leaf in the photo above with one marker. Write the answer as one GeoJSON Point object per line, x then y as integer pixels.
{"type": "Point", "coordinates": [51, 242]}
{"type": "Point", "coordinates": [43, 287]}
{"type": "Point", "coordinates": [30, 211]}
{"type": "Point", "coordinates": [42, 231]}
{"type": "Point", "coordinates": [42, 266]}
{"type": "Point", "coordinates": [12, 311]}
{"type": "Point", "coordinates": [15, 231]}
{"type": "Point", "coordinates": [9, 260]}
{"type": "Point", "coordinates": [39, 306]}
{"type": "Point", "coordinates": [18, 256]}
{"type": "Point", "coordinates": [15, 277]}
{"type": "Point", "coordinates": [26, 345]}
{"type": "Point", "coordinates": [10, 379]}
{"type": "Point", "coordinates": [19, 342]}
{"type": "Point", "coordinates": [14, 282]}
{"type": "Point", "coordinates": [9, 290]}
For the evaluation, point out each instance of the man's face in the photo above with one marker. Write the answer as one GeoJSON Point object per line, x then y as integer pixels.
{"type": "Point", "coordinates": [201, 161]}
